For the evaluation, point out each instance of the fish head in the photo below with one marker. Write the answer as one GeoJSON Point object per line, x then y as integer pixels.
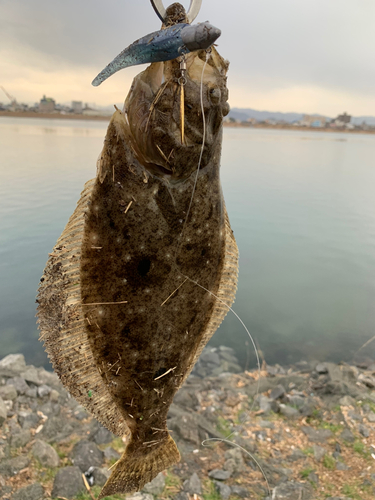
{"type": "Point", "coordinates": [162, 102]}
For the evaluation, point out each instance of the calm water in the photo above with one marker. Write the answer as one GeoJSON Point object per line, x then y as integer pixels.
{"type": "Point", "coordinates": [301, 204]}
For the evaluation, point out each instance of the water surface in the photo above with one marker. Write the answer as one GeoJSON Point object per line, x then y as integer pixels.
{"type": "Point", "coordinates": [301, 205]}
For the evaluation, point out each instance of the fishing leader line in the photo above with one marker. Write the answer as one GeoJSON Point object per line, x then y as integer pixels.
{"type": "Point", "coordinates": [208, 52]}
{"type": "Point", "coordinates": [241, 427]}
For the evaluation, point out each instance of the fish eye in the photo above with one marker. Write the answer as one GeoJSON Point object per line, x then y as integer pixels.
{"type": "Point", "coordinates": [215, 95]}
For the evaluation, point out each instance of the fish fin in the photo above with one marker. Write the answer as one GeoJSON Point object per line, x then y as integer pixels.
{"type": "Point", "coordinates": [62, 324]}
{"type": "Point", "coordinates": [134, 470]}
{"type": "Point", "coordinates": [226, 291]}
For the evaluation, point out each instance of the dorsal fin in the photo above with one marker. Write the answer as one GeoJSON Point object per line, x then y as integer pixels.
{"type": "Point", "coordinates": [226, 291]}
{"type": "Point", "coordinates": [61, 323]}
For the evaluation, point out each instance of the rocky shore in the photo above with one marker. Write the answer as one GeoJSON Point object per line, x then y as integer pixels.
{"type": "Point", "coordinates": [309, 427]}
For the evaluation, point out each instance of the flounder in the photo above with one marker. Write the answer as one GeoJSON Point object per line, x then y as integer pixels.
{"type": "Point", "coordinates": [144, 271]}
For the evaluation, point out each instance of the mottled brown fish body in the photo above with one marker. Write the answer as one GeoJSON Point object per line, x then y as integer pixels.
{"type": "Point", "coordinates": [154, 267]}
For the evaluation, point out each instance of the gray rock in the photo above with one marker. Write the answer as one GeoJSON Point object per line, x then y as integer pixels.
{"type": "Point", "coordinates": [317, 436]}
{"type": "Point", "coordinates": [297, 455]}
{"type": "Point", "coordinates": [140, 496]}
{"type": "Point", "coordinates": [321, 368]}
{"type": "Point", "coordinates": [8, 392]}
{"type": "Point", "coordinates": [288, 411]}
{"type": "Point", "coordinates": [103, 436]}
{"type": "Point", "coordinates": [86, 454]}
{"type": "Point", "coordinates": [353, 415]}
{"type": "Point", "coordinates": [156, 486]}
{"type": "Point", "coordinates": [28, 420]}
{"type": "Point", "coordinates": [3, 412]}
{"type": "Point", "coordinates": [347, 435]}
{"type": "Point", "coordinates": [55, 429]}
{"type": "Point", "coordinates": [185, 398]}
{"type": "Point", "coordinates": [265, 424]}
{"type": "Point", "coordinates": [297, 401]}
{"type": "Point", "coordinates": [239, 491]}
{"type": "Point", "coordinates": [54, 396]}
{"type": "Point", "coordinates": [304, 366]}
{"type": "Point", "coordinates": [46, 455]}
{"type": "Point", "coordinates": [68, 483]}
{"type": "Point", "coordinates": [12, 365]}
{"type": "Point", "coordinates": [19, 384]}
{"type": "Point", "coordinates": [347, 401]}
{"type": "Point", "coordinates": [50, 409]}
{"type": "Point", "coordinates": [234, 461]}
{"type": "Point", "coordinates": [31, 492]}
{"type": "Point", "coordinates": [313, 477]}
{"type": "Point", "coordinates": [264, 403]}
{"type": "Point", "coordinates": [292, 491]}
{"type": "Point", "coordinates": [223, 489]}
{"type": "Point", "coordinates": [49, 378]}
{"type": "Point", "coordinates": [20, 439]}
{"type": "Point", "coordinates": [5, 492]}
{"type": "Point", "coordinates": [277, 392]}
{"type": "Point", "coordinates": [308, 408]}
{"type": "Point", "coordinates": [220, 475]}
{"type": "Point", "coordinates": [371, 417]}
{"type": "Point", "coordinates": [80, 414]}
{"type": "Point", "coordinates": [367, 380]}
{"type": "Point", "coordinates": [364, 431]}
{"type": "Point", "coordinates": [209, 356]}
{"type": "Point", "coordinates": [31, 392]}
{"type": "Point", "coordinates": [44, 390]}
{"type": "Point", "coordinates": [193, 485]}
{"type": "Point", "coordinates": [319, 452]}
{"type": "Point", "coordinates": [12, 466]}
{"type": "Point", "coordinates": [341, 466]}
{"type": "Point", "coordinates": [31, 375]}
{"type": "Point", "coordinates": [111, 454]}
{"type": "Point", "coordinates": [99, 475]}
{"type": "Point", "coordinates": [185, 427]}
{"type": "Point", "coordinates": [182, 495]}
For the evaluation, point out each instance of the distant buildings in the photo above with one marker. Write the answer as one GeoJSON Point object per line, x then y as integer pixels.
{"type": "Point", "coordinates": [314, 121]}
{"type": "Point", "coordinates": [47, 105]}
{"type": "Point", "coordinates": [77, 107]}
{"type": "Point", "coordinates": [342, 121]}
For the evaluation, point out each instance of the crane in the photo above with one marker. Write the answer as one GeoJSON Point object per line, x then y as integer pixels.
{"type": "Point", "coordinates": [12, 99]}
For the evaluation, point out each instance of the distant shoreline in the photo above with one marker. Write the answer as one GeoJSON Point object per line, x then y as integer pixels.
{"type": "Point", "coordinates": [59, 116]}
{"type": "Point", "coordinates": [53, 116]}
{"type": "Point", "coordinates": [293, 127]}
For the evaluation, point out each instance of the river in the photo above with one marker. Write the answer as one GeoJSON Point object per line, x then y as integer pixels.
{"type": "Point", "coordinates": [302, 208]}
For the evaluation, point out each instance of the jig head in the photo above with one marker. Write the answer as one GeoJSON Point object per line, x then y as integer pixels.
{"type": "Point", "coordinates": [165, 44]}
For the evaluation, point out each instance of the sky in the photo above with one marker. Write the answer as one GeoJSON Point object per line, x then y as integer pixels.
{"type": "Point", "coordinates": [306, 56]}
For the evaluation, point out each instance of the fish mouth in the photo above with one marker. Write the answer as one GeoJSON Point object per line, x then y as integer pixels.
{"type": "Point", "coordinates": [155, 118]}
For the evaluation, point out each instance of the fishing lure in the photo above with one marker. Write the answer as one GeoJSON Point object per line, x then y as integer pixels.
{"type": "Point", "coordinates": [163, 45]}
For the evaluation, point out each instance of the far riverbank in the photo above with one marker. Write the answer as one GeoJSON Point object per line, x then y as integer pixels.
{"type": "Point", "coordinates": [59, 116]}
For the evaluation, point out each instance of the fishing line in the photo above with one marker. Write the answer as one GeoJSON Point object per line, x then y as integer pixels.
{"type": "Point", "coordinates": [226, 440]}
{"type": "Point", "coordinates": [245, 451]}
{"type": "Point", "coordinates": [200, 156]}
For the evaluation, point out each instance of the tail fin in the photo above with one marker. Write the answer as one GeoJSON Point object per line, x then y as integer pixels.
{"type": "Point", "coordinates": [134, 470]}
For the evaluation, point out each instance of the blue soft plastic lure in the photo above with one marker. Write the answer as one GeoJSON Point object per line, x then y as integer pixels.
{"type": "Point", "coordinates": [163, 45]}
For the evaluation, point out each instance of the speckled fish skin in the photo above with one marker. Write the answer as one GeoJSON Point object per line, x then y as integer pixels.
{"type": "Point", "coordinates": [120, 311]}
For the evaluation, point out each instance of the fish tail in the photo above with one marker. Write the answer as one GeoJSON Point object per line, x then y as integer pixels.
{"type": "Point", "coordinates": [134, 470]}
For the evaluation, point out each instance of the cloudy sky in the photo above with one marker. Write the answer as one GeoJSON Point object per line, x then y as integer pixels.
{"type": "Point", "coordinates": [314, 56]}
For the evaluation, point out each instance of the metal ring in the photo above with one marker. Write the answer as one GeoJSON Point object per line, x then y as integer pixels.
{"type": "Point", "coordinates": [194, 8]}
{"type": "Point", "coordinates": [182, 81]}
